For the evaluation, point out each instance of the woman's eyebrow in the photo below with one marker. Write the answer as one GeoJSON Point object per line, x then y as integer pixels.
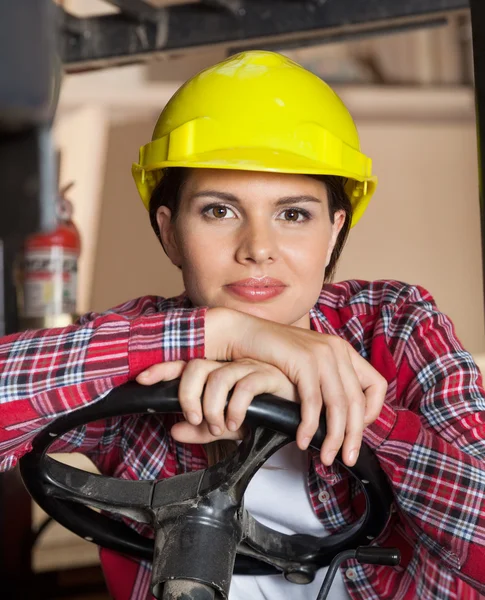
{"type": "Point", "coordinates": [297, 199]}
{"type": "Point", "coordinates": [215, 194]}
{"type": "Point", "coordinates": [285, 201]}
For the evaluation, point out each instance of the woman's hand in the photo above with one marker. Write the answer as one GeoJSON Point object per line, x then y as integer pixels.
{"type": "Point", "coordinates": [204, 408]}
{"type": "Point", "coordinates": [326, 370]}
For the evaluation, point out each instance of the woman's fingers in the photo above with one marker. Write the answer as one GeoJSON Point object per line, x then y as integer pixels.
{"type": "Point", "coordinates": [247, 378]}
{"type": "Point", "coordinates": [186, 433]}
{"type": "Point", "coordinates": [219, 384]}
{"type": "Point", "coordinates": [161, 372]}
{"type": "Point", "coordinates": [311, 410]}
{"type": "Point", "coordinates": [191, 388]}
{"type": "Point", "coordinates": [347, 413]}
{"type": "Point", "coordinates": [373, 385]}
{"type": "Point", "coordinates": [336, 403]}
{"type": "Point", "coordinates": [214, 401]}
{"type": "Point", "coordinates": [356, 403]}
{"type": "Point", "coordinates": [205, 386]}
{"type": "Point", "coordinates": [242, 397]}
{"type": "Point", "coordinates": [305, 376]}
{"type": "Point", "coordinates": [267, 380]}
{"type": "Point", "coordinates": [375, 394]}
{"type": "Point", "coordinates": [365, 391]}
{"type": "Point", "coordinates": [193, 377]}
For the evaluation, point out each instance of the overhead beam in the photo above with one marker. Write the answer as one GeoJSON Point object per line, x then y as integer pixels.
{"type": "Point", "coordinates": [138, 9]}
{"type": "Point", "coordinates": [113, 39]}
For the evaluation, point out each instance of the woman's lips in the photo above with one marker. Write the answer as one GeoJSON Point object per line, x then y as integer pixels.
{"type": "Point", "coordinates": [257, 289]}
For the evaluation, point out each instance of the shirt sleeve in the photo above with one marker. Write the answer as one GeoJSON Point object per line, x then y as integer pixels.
{"type": "Point", "coordinates": [46, 373]}
{"type": "Point", "coordinates": [430, 436]}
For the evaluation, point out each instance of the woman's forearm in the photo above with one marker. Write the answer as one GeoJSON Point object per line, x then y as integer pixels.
{"type": "Point", "coordinates": [45, 372]}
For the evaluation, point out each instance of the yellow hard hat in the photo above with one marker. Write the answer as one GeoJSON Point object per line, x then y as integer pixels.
{"type": "Point", "coordinates": [257, 111]}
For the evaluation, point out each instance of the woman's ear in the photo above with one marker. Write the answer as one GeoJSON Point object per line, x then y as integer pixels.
{"type": "Point", "coordinates": [338, 223]}
{"type": "Point", "coordinates": [167, 235]}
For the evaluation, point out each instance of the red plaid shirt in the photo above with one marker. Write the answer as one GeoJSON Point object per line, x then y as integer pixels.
{"type": "Point", "coordinates": [429, 438]}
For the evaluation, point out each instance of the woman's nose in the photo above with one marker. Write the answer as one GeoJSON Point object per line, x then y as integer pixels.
{"type": "Point", "coordinates": [257, 243]}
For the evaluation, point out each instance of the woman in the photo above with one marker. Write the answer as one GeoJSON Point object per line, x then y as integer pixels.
{"type": "Point", "coordinates": [253, 178]}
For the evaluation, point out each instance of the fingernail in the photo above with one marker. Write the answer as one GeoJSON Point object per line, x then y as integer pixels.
{"type": "Point", "coordinates": [353, 455]}
{"type": "Point", "coordinates": [144, 375]}
{"type": "Point", "coordinates": [306, 442]}
{"type": "Point", "coordinates": [193, 418]}
{"type": "Point", "coordinates": [215, 430]}
{"type": "Point", "coordinates": [329, 457]}
{"type": "Point", "coordinates": [232, 425]}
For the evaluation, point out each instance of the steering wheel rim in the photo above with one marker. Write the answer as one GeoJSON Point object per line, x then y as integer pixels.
{"type": "Point", "coordinates": [266, 410]}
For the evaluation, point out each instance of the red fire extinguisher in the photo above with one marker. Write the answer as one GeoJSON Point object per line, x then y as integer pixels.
{"type": "Point", "coordinates": [49, 272]}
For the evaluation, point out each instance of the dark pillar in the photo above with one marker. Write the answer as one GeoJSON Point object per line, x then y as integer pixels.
{"type": "Point", "coordinates": [27, 193]}
{"type": "Point", "coordinates": [477, 8]}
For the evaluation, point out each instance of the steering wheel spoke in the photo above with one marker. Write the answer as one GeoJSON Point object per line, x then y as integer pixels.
{"type": "Point", "coordinates": [235, 472]}
{"type": "Point", "coordinates": [128, 498]}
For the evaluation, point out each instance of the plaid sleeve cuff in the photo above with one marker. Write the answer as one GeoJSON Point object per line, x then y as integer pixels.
{"type": "Point", "coordinates": [378, 431]}
{"type": "Point", "coordinates": [175, 335]}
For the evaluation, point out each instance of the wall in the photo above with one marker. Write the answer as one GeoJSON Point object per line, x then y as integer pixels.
{"type": "Point", "coordinates": [81, 135]}
{"type": "Point", "coordinates": [422, 227]}
{"type": "Point", "coordinates": [130, 261]}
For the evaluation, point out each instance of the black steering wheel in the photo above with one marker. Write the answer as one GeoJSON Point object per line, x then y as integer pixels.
{"type": "Point", "coordinates": [199, 520]}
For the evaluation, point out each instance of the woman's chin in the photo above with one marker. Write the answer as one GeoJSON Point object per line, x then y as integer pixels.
{"type": "Point", "coordinates": [263, 310]}
{"type": "Point", "coordinates": [274, 310]}
{"type": "Point", "coordinates": [268, 311]}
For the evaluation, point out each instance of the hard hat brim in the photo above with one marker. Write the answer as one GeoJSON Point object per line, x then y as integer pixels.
{"type": "Point", "coordinates": [360, 188]}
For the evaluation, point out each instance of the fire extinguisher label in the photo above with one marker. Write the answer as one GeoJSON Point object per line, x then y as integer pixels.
{"type": "Point", "coordinates": [50, 282]}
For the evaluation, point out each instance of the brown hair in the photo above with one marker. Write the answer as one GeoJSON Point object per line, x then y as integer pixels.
{"type": "Point", "coordinates": [168, 192]}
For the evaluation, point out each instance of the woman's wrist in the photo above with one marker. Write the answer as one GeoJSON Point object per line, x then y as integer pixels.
{"type": "Point", "coordinates": [222, 326]}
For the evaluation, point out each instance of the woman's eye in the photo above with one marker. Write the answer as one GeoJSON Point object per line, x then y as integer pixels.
{"type": "Point", "coordinates": [295, 215]}
{"type": "Point", "coordinates": [218, 212]}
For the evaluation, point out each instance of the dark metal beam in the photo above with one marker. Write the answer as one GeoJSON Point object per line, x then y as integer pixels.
{"type": "Point", "coordinates": [113, 39]}
{"type": "Point", "coordinates": [138, 9]}
{"type": "Point", "coordinates": [69, 23]}
{"type": "Point", "coordinates": [477, 10]}
{"type": "Point", "coordinates": [235, 7]}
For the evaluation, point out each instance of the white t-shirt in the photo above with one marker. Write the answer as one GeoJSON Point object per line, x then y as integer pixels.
{"type": "Point", "coordinates": [278, 497]}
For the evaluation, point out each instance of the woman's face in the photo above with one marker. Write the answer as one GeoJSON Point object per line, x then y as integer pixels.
{"type": "Point", "coordinates": [254, 242]}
